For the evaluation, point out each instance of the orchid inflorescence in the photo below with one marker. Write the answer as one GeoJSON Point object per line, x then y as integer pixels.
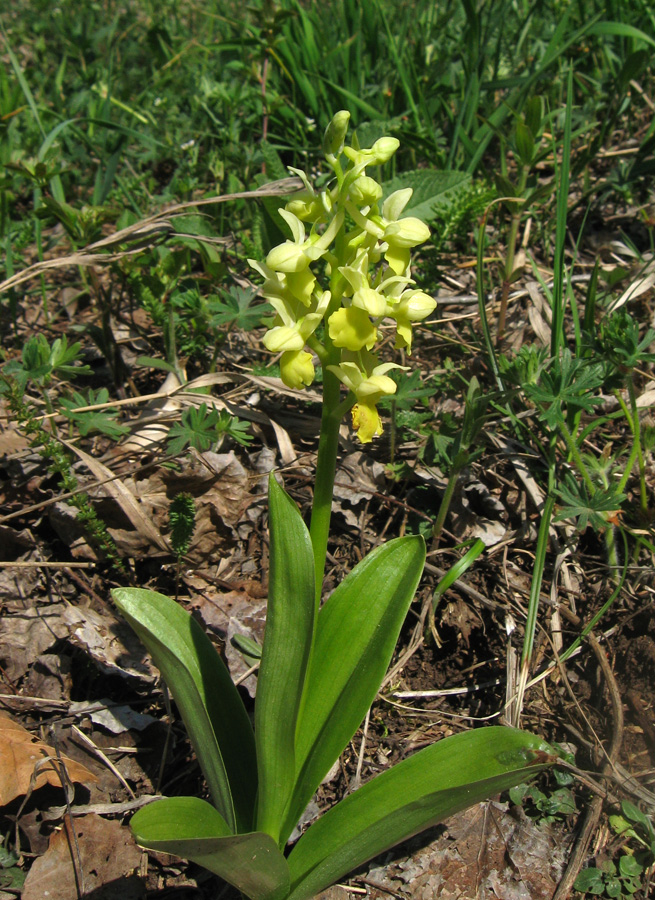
{"type": "Point", "coordinates": [365, 253]}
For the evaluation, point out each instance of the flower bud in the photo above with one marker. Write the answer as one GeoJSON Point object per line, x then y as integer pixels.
{"type": "Point", "coordinates": [407, 232]}
{"type": "Point", "coordinates": [335, 133]}
{"type": "Point", "coordinates": [417, 305]}
{"type": "Point", "coordinates": [365, 191]}
{"type": "Point", "coordinates": [383, 149]}
{"type": "Point", "coordinates": [306, 207]}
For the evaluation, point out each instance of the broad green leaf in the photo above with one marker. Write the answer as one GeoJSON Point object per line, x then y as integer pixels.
{"type": "Point", "coordinates": [192, 828]}
{"type": "Point", "coordinates": [432, 188]}
{"type": "Point", "coordinates": [287, 644]}
{"type": "Point", "coordinates": [524, 143]}
{"type": "Point", "coordinates": [414, 795]}
{"type": "Point", "coordinates": [209, 703]}
{"type": "Point", "coordinates": [356, 632]}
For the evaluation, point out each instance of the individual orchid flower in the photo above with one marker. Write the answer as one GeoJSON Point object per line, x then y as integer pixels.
{"type": "Point", "coordinates": [396, 235]}
{"type": "Point", "coordinates": [289, 287]}
{"type": "Point", "coordinates": [293, 330]}
{"type": "Point", "coordinates": [307, 205]}
{"type": "Point", "coordinates": [381, 152]}
{"type": "Point", "coordinates": [296, 255]}
{"type": "Point", "coordinates": [369, 390]}
{"type": "Point", "coordinates": [413, 306]}
{"type": "Point", "coordinates": [401, 234]}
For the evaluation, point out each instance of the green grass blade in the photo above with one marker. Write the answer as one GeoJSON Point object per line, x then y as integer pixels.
{"type": "Point", "coordinates": [207, 699]}
{"type": "Point", "coordinates": [397, 60]}
{"type": "Point", "coordinates": [20, 77]}
{"type": "Point", "coordinates": [192, 828]}
{"type": "Point", "coordinates": [563, 179]}
{"type": "Point", "coordinates": [620, 29]}
{"type": "Point", "coordinates": [356, 633]}
{"type": "Point", "coordinates": [417, 793]}
{"type": "Point", "coordinates": [287, 645]}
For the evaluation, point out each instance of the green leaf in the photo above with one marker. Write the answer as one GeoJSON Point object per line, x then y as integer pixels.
{"type": "Point", "coordinates": [197, 428]}
{"type": "Point", "coordinates": [619, 29]}
{"type": "Point", "coordinates": [590, 881]}
{"type": "Point", "coordinates": [356, 632]}
{"type": "Point", "coordinates": [209, 703]}
{"type": "Point", "coordinates": [192, 828]}
{"type": "Point", "coordinates": [532, 114]}
{"type": "Point", "coordinates": [635, 815]}
{"type": "Point", "coordinates": [287, 645]}
{"type": "Point", "coordinates": [102, 420]}
{"type": "Point", "coordinates": [410, 797]}
{"type": "Point", "coordinates": [235, 308]}
{"type": "Point", "coordinates": [524, 143]}
{"type": "Point", "coordinates": [630, 867]}
{"type": "Point", "coordinates": [431, 188]}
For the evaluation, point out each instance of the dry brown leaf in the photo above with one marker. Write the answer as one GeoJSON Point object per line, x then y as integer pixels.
{"type": "Point", "coordinates": [20, 755]}
{"type": "Point", "coordinates": [105, 866]}
{"type": "Point", "coordinates": [125, 499]}
{"type": "Point", "coordinates": [145, 233]}
{"type": "Point", "coordinates": [27, 633]}
{"type": "Point", "coordinates": [485, 853]}
{"type": "Point", "coordinates": [647, 399]}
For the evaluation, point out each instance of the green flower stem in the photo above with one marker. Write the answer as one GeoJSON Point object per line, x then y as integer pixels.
{"type": "Point", "coordinates": [512, 242]}
{"type": "Point", "coordinates": [636, 434]}
{"type": "Point", "coordinates": [636, 453]}
{"type": "Point", "coordinates": [444, 506]}
{"type": "Point", "coordinates": [628, 467]}
{"type": "Point", "coordinates": [575, 455]}
{"type": "Point", "coordinates": [328, 446]}
{"type": "Point", "coordinates": [533, 604]}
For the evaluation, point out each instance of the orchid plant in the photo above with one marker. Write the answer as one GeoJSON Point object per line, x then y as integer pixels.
{"type": "Point", "coordinates": [322, 664]}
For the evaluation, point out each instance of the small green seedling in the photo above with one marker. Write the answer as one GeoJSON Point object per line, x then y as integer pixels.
{"type": "Point", "coordinates": [200, 428]}
{"type": "Point", "coordinates": [625, 878]}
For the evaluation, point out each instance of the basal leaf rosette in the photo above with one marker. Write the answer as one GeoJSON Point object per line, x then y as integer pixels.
{"type": "Point", "coordinates": [342, 275]}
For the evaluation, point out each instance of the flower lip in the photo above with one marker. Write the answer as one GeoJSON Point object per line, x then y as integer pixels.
{"type": "Point", "coordinates": [297, 369]}
{"type": "Point", "coordinates": [350, 327]}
